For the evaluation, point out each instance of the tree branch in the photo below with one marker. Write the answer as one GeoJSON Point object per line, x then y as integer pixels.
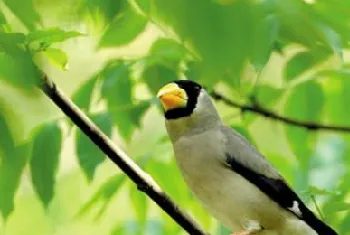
{"type": "Point", "coordinates": [143, 181]}
{"type": "Point", "coordinates": [270, 114]}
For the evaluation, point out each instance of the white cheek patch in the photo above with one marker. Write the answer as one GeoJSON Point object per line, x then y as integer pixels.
{"type": "Point", "coordinates": [295, 208]}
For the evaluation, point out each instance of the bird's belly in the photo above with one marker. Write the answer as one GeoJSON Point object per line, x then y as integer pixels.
{"type": "Point", "coordinates": [234, 201]}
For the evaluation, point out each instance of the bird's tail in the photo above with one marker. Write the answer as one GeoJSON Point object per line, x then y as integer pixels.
{"type": "Point", "coordinates": [318, 225]}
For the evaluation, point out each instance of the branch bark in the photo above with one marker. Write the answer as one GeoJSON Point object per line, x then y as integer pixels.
{"type": "Point", "coordinates": [272, 115]}
{"type": "Point", "coordinates": [144, 182]}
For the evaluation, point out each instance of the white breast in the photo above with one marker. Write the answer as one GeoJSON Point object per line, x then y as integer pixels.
{"type": "Point", "coordinates": [228, 196]}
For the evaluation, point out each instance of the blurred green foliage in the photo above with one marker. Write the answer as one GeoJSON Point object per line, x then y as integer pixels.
{"type": "Point", "coordinates": [290, 57]}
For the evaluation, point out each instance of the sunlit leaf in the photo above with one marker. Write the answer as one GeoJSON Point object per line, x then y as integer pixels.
{"type": "Point", "coordinates": [57, 57]}
{"type": "Point", "coordinates": [123, 29]}
{"type": "Point", "coordinates": [139, 201]}
{"type": "Point", "coordinates": [89, 155]}
{"type": "Point", "coordinates": [104, 194]}
{"type": "Point", "coordinates": [44, 161]}
{"type": "Point", "coordinates": [105, 10]}
{"type": "Point", "coordinates": [11, 169]}
{"type": "Point", "coordinates": [25, 11]}
{"type": "Point", "coordinates": [51, 35]}
{"type": "Point", "coordinates": [82, 97]}
{"type": "Point", "coordinates": [302, 62]}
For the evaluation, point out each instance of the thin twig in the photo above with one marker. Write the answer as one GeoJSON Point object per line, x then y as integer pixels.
{"type": "Point", "coordinates": [272, 115]}
{"type": "Point", "coordinates": [144, 182]}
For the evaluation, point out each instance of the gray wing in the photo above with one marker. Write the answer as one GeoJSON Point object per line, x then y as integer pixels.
{"type": "Point", "coordinates": [240, 149]}
{"type": "Point", "coordinates": [243, 158]}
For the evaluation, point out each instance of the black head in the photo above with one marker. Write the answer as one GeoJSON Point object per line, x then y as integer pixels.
{"type": "Point", "coordinates": [192, 90]}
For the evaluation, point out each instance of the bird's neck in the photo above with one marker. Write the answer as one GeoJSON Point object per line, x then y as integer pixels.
{"type": "Point", "coordinates": [194, 124]}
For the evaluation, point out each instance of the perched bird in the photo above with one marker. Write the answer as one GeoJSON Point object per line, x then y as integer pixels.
{"type": "Point", "coordinates": [227, 174]}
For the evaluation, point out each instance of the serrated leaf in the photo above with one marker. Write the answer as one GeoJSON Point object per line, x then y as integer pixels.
{"type": "Point", "coordinates": [304, 61]}
{"type": "Point", "coordinates": [305, 103]}
{"type": "Point", "coordinates": [47, 144]}
{"type": "Point", "coordinates": [11, 169]}
{"type": "Point", "coordinates": [123, 29]}
{"type": "Point", "coordinates": [57, 57]}
{"type": "Point", "coordinates": [82, 97]}
{"type": "Point", "coordinates": [51, 35]}
{"type": "Point", "coordinates": [155, 76]}
{"type": "Point", "coordinates": [25, 11]}
{"type": "Point", "coordinates": [89, 155]}
{"type": "Point", "coordinates": [104, 194]}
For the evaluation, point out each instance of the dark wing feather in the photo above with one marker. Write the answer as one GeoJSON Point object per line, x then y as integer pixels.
{"type": "Point", "coordinates": [282, 194]}
{"type": "Point", "coordinates": [245, 160]}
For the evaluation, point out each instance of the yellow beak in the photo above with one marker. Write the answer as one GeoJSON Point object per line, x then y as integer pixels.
{"type": "Point", "coordinates": [172, 96]}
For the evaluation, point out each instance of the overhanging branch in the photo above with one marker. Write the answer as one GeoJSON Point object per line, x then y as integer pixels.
{"type": "Point", "coordinates": [272, 115]}
{"type": "Point", "coordinates": [143, 181]}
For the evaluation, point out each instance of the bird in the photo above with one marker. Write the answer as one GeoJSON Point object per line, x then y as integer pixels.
{"type": "Point", "coordinates": [228, 175]}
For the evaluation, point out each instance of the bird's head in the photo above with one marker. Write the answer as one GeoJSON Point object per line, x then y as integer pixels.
{"type": "Point", "coordinates": [187, 106]}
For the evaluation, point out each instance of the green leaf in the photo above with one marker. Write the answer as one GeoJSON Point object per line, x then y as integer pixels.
{"type": "Point", "coordinates": [17, 68]}
{"type": "Point", "coordinates": [139, 202]}
{"type": "Point", "coordinates": [116, 87]}
{"type": "Point", "coordinates": [156, 76]}
{"type": "Point", "coordinates": [7, 142]}
{"type": "Point", "coordinates": [117, 91]}
{"type": "Point", "coordinates": [57, 57]}
{"type": "Point", "coordinates": [335, 207]}
{"type": "Point", "coordinates": [304, 61]}
{"type": "Point", "coordinates": [305, 103]}
{"type": "Point", "coordinates": [268, 95]}
{"type": "Point", "coordinates": [266, 32]}
{"type": "Point", "coordinates": [51, 35]}
{"type": "Point", "coordinates": [44, 161]}
{"type": "Point", "coordinates": [11, 38]}
{"type": "Point", "coordinates": [2, 18]}
{"type": "Point", "coordinates": [144, 5]}
{"type": "Point", "coordinates": [11, 169]}
{"type": "Point", "coordinates": [104, 194]}
{"type": "Point", "coordinates": [89, 155]}
{"type": "Point", "coordinates": [337, 90]}
{"type": "Point", "coordinates": [128, 118]}
{"type": "Point", "coordinates": [104, 11]}
{"type": "Point", "coordinates": [313, 190]}
{"type": "Point", "coordinates": [25, 11]}
{"type": "Point", "coordinates": [82, 97]}
{"type": "Point", "coordinates": [167, 52]}
{"type": "Point", "coordinates": [123, 29]}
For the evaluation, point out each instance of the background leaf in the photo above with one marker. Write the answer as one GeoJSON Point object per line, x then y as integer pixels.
{"type": "Point", "coordinates": [44, 161]}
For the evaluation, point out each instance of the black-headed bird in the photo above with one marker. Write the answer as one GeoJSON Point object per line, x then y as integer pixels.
{"type": "Point", "coordinates": [226, 173]}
